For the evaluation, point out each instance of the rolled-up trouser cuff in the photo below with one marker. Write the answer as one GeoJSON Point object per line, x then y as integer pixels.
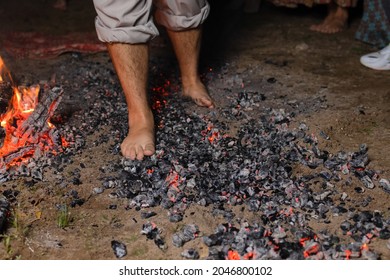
{"type": "Point", "coordinates": [124, 21]}
{"type": "Point", "coordinates": [181, 14]}
{"type": "Point", "coordinates": [132, 35]}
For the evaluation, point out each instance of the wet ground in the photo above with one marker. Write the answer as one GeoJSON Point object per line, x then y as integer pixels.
{"type": "Point", "coordinates": [317, 76]}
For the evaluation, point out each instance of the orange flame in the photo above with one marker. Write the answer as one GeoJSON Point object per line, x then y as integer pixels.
{"type": "Point", "coordinates": [22, 104]}
{"type": "Point", "coordinates": [4, 71]}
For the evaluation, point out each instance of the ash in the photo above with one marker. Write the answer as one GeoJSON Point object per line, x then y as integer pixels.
{"type": "Point", "coordinates": [267, 167]}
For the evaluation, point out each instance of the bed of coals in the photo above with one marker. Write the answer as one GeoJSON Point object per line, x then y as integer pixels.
{"type": "Point", "coordinates": [270, 165]}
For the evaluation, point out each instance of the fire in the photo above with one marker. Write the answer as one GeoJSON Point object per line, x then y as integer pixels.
{"type": "Point", "coordinates": [27, 128]}
{"type": "Point", "coordinates": [3, 71]}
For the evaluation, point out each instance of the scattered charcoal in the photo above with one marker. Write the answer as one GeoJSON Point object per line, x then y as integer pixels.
{"type": "Point", "coordinates": [204, 165]}
{"type": "Point", "coordinates": [119, 249]}
{"type": "Point", "coordinates": [190, 254]}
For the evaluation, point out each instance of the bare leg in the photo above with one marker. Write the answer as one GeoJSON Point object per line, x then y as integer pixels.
{"type": "Point", "coordinates": [187, 46]}
{"type": "Point", "coordinates": [335, 21]}
{"type": "Point", "coordinates": [131, 65]}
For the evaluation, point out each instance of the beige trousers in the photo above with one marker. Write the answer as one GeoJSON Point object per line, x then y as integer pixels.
{"type": "Point", "coordinates": [132, 21]}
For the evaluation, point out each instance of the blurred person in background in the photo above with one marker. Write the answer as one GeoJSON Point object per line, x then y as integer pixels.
{"type": "Point", "coordinates": [374, 29]}
{"type": "Point", "coordinates": [336, 19]}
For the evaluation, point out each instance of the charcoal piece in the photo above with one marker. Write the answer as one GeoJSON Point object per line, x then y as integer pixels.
{"type": "Point", "coordinates": [359, 189]}
{"type": "Point", "coordinates": [324, 135]}
{"type": "Point", "coordinates": [384, 234]}
{"type": "Point", "coordinates": [150, 230]}
{"type": "Point", "coordinates": [190, 254]}
{"type": "Point", "coordinates": [385, 184]}
{"type": "Point", "coordinates": [148, 214]}
{"type": "Point", "coordinates": [98, 190]}
{"type": "Point", "coordinates": [178, 239]}
{"type": "Point", "coordinates": [189, 232]}
{"type": "Point", "coordinates": [4, 213]}
{"type": "Point", "coordinates": [215, 254]}
{"type": "Point", "coordinates": [331, 164]}
{"type": "Point", "coordinates": [364, 216]}
{"type": "Point", "coordinates": [77, 202]}
{"type": "Point", "coordinates": [326, 175]}
{"type": "Point", "coordinates": [363, 148]}
{"type": "Point", "coordinates": [322, 195]}
{"type": "Point", "coordinates": [345, 226]}
{"type": "Point", "coordinates": [119, 249]}
{"type": "Point", "coordinates": [160, 242]}
{"type": "Point", "coordinates": [212, 240]}
{"type": "Point", "coordinates": [271, 80]}
{"type": "Point", "coordinates": [360, 161]}
{"type": "Point", "coordinates": [367, 182]}
{"type": "Point", "coordinates": [175, 217]}
{"type": "Point", "coordinates": [166, 203]}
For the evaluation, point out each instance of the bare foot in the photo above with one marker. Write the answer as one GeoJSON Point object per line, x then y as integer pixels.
{"type": "Point", "coordinates": [336, 21]}
{"type": "Point", "coordinates": [198, 93]}
{"type": "Point", "coordinates": [139, 141]}
{"type": "Point", "coordinates": [334, 26]}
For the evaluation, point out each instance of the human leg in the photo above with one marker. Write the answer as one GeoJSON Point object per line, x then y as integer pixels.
{"type": "Point", "coordinates": [183, 20]}
{"type": "Point", "coordinates": [127, 27]}
{"type": "Point", "coordinates": [186, 45]}
{"type": "Point", "coordinates": [335, 21]}
{"type": "Point", "coordinates": [131, 64]}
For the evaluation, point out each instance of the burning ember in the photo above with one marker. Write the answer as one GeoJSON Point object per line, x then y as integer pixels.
{"type": "Point", "coordinates": [28, 131]}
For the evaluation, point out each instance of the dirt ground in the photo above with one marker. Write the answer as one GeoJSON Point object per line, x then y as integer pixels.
{"type": "Point", "coordinates": [271, 51]}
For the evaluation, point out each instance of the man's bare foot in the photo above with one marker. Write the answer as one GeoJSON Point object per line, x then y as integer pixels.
{"type": "Point", "coordinates": [139, 141]}
{"type": "Point", "coordinates": [198, 93]}
{"type": "Point", "coordinates": [335, 21]}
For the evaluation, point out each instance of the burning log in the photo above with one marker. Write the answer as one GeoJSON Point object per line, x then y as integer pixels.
{"type": "Point", "coordinates": [27, 126]}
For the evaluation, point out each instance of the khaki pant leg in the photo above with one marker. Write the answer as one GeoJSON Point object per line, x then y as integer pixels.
{"type": "Point", "coordinates": [125, 21]}
{"type": "Point", "coordinates": [181, 14]}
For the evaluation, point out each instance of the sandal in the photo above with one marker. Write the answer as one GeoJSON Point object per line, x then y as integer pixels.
{"type": "Point", "coordinates": [377, 60]}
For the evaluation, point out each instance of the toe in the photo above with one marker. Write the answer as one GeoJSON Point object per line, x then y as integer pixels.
{"type": "Point", "coordinates": [140, 153]}
{"type": "Point", "coordinates": [149, 150]}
